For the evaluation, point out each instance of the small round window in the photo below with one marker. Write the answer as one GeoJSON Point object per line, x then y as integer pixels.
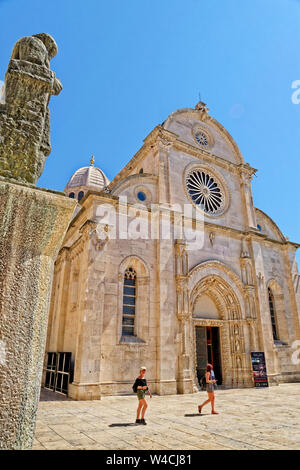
{"type": "Point", "coordinates": [202, 138]}
{"type": "Point", "coordinates": [141, 196]}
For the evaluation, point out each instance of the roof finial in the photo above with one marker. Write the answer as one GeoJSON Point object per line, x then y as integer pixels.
{"type": "Point", "coordinates": [92, 161]}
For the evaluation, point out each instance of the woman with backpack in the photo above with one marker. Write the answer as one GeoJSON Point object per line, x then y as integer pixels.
{"type": "Point", "coordinates": [210, 388]}
{"type": "Point", "coordinates": [140, 387]}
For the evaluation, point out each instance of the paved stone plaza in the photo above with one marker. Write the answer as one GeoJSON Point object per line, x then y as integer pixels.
{"type": "Point", "coordinates": [249, 419]}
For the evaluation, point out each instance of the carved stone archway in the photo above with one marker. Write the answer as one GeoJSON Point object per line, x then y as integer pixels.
{"type": "Point", "coordinates": [224, 288]}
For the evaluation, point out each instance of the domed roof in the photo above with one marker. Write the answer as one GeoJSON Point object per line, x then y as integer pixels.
{"type": "Point", "coordinates": [88, 177]}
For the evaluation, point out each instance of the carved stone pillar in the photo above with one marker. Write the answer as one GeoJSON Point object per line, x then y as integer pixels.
{"type": "Point", "coordinates": [184, 382]}
{"type": "Point", "coordinates": [85, 385]}
{"type": "Point", "coordinates": [249, 281]}
{"type": "Point", "coordinates": [58, 308]}
{"type": "Point", "coordinates": [33, 223]}
{"type": "Point", "coordinates": [246, 176]}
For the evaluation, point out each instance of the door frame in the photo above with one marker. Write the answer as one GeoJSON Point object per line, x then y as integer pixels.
{"type": "Point", "coordinates": [57, 373]}
{"type": "Point", "coordinates": [208, 322]}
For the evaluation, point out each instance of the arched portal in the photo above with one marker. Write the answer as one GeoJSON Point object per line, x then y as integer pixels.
{"type": "Point", "coordinates": [219, 328]}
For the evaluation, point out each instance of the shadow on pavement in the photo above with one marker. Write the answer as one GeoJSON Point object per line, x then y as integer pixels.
{"type": "Point", "coordinates": [196, 414]}
{"type": "Point", "coordinates": [121, 425]}
{"type": "Point", "coordinates": [48, 395]}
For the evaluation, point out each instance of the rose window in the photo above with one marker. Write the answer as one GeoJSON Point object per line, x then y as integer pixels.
{"type": "Point", "coordinates": [205, 191]}
{"type": "Point", "coordinates": [201, 138]}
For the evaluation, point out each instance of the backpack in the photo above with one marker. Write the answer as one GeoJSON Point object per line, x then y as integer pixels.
{"type": "Point", "coordinates": [134, 387]}
{"type": "Point", "coordinates": [203, 383]}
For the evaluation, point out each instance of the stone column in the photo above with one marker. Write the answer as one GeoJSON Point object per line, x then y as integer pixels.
{"type": "Point", "coordinates": [165, 291]}
{"type": "Point", "coordinates": [246, 176]}
{"type": "Point", "coordinates": [57, 311]}
{"type": "Point", "coordinates": [184, 382]}
{"type": "Point", "coordinates": [33, 223]}
{"type": "Point", "coordinates": [85, 385]}
{"type": "Point", "coordinates": [166, 311]}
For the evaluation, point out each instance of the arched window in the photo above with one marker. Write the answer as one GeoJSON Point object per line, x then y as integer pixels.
{"type": "Point", "coordinates": [80, 195]}
{"type": "Point", "coordinates": [72, 195]}
{"type": "Point", "coordinates": [272, 313]}
{"type": "Point", "coordinates": [129, 302]}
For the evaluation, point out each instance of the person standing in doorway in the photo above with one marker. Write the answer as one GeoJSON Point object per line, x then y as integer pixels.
{"type": "Point", "coordinates": [140, 386]}
{"type": "Point", "coordinates": [210, 388]}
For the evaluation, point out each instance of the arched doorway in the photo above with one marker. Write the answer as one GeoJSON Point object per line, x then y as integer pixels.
{"type": "Point", "coordinates": [219, 328]}
{"type": "Point", "coordinates": [207, 336]}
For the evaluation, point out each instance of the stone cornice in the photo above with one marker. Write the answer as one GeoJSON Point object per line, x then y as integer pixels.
{"type": "Point", "coordinates": [274, 225]}
{"type": "Point", "coordinates": [149, 141]}
{"type": "Point", "coordinates": [201, 114]}
{"type": "Point", "coordinates": [167, 139]}
{"type": "Point", "coordinates": [100, 195]}
{"type": "Point", "coordinates": [62, 256]}
{"type": "Point", "coordinates": [76, 248]}
{"type": "Point", "coordinates": [209, 157]}
{"type": "Point", "coordinates": [144, 177]}
{"type": "Point", "coordinates": [251, 234]}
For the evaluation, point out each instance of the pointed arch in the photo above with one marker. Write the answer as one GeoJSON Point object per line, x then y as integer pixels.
{"type": "Point", "coordinates": [221, 294]}
{"type": "Point", "coordinates": [277, 311]}
{"type": "Point", "coordinates": [220, 283]}
{"type": "Point", "coordinates": [212, 123]}
{"type": "Point", "coordinates": [224, 279]}
{"type": "Point", "coordinates": [135, 262]}
{"type": "Point", "coordinates": [134, 303]}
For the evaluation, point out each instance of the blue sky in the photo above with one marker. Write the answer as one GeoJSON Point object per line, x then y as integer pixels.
{"type": "Point", "coordinates": [126, 65]}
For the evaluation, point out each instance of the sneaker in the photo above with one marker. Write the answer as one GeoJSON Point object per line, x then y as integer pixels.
{"type": "Point", "coordinates": [138, 421]}
{"type": "Point", "coordinates": [143, 421]}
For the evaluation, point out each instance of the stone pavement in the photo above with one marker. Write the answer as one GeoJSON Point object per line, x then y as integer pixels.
{"type": "Point", "coordinates": [249, 419]}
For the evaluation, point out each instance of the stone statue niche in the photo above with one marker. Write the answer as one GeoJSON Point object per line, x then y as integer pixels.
{"type": "Point", "coordinates": [24, 113]}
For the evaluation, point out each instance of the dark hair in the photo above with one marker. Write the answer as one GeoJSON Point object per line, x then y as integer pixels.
{"type": "Point", "coordinates": [209, 367]}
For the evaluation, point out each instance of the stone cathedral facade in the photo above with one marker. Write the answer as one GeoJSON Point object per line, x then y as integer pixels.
{"type": "Point", "coordinates": [164, 302]}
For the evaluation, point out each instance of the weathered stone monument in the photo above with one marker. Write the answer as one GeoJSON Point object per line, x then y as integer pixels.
{"type": "Point", "coordinates": [33, 222]}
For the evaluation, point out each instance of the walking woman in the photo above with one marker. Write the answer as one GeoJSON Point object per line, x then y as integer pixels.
{"type": "Point", "coordinates": [210, 388]}
{"type": "Point", "coordinates": [141, 387]}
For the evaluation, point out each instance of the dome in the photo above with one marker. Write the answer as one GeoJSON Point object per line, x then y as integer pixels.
{"type": "Point", "coordinates": [84, 179]}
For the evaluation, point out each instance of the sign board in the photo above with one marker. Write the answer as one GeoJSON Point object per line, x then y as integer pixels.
{"type": "Point", "coordinates": [259, 369]}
